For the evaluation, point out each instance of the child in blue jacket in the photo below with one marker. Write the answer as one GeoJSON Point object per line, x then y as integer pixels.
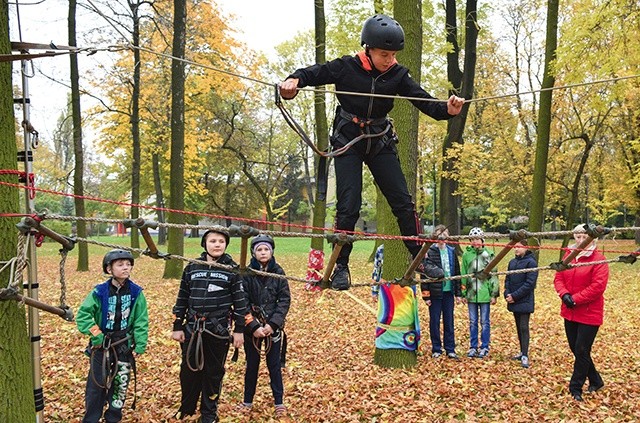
{"type": "Point", "coordinates": [519, 293]}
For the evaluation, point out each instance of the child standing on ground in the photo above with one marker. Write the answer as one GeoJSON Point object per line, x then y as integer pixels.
{"type": "Point", "coordinates": [441, 297]}
{"type": "Point", "coordinates": [208, 299]}
{"type": "Point", "coordinates": [519, 293]}
{"type": "Point", "coordinates": [115, 315]}
{"type": "Point", "coordinates": [269, 300]}
{"type": "Point", "coordinates": [478, 294]}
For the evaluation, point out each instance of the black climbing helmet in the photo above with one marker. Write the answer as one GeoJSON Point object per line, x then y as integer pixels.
{"type": "Point", "coordinates": [203, 240]}
{"type": "Point", "coordinates": [113, 255]}
{"type": "Point", "coordinates": [382, 31]}
{"type": "Point", "coordinates": [262, 238]}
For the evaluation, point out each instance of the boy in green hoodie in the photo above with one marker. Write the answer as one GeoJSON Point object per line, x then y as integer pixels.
{"type": "Point", "coordinates": [115, 316]}
{"type": "Point", "coordinates": [478, 294]}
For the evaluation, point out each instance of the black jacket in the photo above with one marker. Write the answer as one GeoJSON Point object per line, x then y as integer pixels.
{"type": "Point", "coordinates": [213, 293]}
{"type": "Point", "coordinates": [268, 295]}
{"type": "Point", "coordinates": [434, 290]}
{"type": "Point", "coordinates": [348, 74]}
{"type": "Point", "coordinates": [521, 285]}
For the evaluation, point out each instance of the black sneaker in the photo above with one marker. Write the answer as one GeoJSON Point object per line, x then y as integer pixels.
{"type": "Point", "coordinates": [341, 278]}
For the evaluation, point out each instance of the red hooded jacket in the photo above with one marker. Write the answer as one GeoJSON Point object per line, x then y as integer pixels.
{"type": "Point", "coordinates": [586, 285]}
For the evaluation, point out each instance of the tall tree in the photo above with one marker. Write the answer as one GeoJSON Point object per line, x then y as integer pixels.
{"type": "Point", "coordinates": [322, 131]}
{"type": "Point", "coordinates": [15, 364]}
{"type": "Point", "coordinates": [173, 268]}
{"type": "Point", "coordinates": [78, 150]}
{"type": "Point", "coordinates": [462, 82]}
{"type": "Point", "coordinates": [538, 190]}
{"type": "Point", "coordinates": [408, 13]}
{"type": "Point", "coordinates": [134, 6]}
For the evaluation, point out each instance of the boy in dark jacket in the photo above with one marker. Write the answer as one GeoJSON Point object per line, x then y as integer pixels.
{"type": "Point", "coordinates": [441, 297]}
{"type": "Point", "coordinates": [372, 71]}
{"type": "Point", "coordinates": [269, 300]}
{"type": "Point", "coordinates": [209, 299]}
{"type": "Point", "coordinates": [115, 315]}
{"type": "Point", "coordinates": [519, 293]}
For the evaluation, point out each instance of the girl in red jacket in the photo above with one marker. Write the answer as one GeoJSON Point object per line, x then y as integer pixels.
{"type": "Point", "coordinates": [582, 292]}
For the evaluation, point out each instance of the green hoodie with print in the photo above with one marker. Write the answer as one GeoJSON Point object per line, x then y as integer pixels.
{"type": "Point", "coordinates": [473, 289]}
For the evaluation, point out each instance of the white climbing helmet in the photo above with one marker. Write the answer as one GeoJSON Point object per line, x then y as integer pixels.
{"type": "Point", "coordinates": [476, 233]}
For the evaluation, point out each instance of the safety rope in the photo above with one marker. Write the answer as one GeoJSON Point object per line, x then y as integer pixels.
{"type": "Point", "coordinates": [63, 284]}
{"type": "Point", "coordinates": [357, 234]}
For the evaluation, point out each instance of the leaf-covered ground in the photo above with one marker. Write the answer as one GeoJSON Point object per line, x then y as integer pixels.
{"type": "Point", "coordinates": [330, 375]}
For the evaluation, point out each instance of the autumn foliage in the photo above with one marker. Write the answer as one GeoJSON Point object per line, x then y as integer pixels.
{"type": "Point", "coordinates": [330, 374]}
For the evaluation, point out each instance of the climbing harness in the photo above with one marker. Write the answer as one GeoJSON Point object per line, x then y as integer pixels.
{"type": "Point", "coordinates": [195, 341]}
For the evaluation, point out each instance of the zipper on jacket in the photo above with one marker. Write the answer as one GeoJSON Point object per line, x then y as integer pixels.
{"type": "Point", "coordinates": [373, 91]}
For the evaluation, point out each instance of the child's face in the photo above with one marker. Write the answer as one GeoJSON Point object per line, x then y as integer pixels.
{"type": "Point", "coordinates": [520, 249]}
{"type": "Point", "coordinates": [263, 253]}
{"type": "Point", "coordinates": [215, 244]}
{"type": "Point", "coordinates": [120, 269]}
{"type": "Point", "coordinates": [476, 242]}
{"type": "Point", "coordinates": [382, 59]}
{"type": "Point", "coordinates": [580, 237]}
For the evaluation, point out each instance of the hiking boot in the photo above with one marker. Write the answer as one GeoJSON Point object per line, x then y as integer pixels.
{"type": "Point", "coordinates": [472, 353]}
{"type": "Point", "coordinates": [483, 352]}
{"type": "Point", "coordinates": [430, 271]}
{"type": "Point", "coordinates": [341, 278]}
{"type": "Point", "coordinates": [524, 361]}
{"type": "Point", "coordinates": [452, 355]}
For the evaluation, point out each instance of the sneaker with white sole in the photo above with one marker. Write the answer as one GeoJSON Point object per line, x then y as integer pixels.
{"type": "Point", "coordinates": [436, 354]}
{"type": "Point", "coordinates": [452, 355]}
{"type": "Point", "coordinates": [517, 357]}
{"type": "Point", "coordinates": [524, 361]}
{"type": "Point", "coordinates": [483, 352]}
{"type": "Point", "coordinates": [472, 353]}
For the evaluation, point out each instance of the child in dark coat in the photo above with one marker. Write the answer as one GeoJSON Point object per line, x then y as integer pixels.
{"type": "Point", "coordinates": [519, 293]}
{"type": "Point", "coordinates": [269, 299]}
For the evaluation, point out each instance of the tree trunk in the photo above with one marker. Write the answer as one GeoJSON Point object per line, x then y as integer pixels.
{"type": "Point", "coordinates": [135, 124]}
{"type": "Point", "coordinates": [322, 132]}
{"type": "Point", "coordinates": [173, 268]}
{"type": "Point", "coordinates": [157, 184]}
{"type": "Point", "coordinates": [409, 14]}
{"type": "Point", "coordinates": [462, 82]}
{"type": "Point", "coordinates": [571, 214]}
{"type": "Point", "coordinates": [15, 361]}
{"type": "Point", "coordinates": [78, 150]}
{"type": "Point", "coordinates": [538, 190]}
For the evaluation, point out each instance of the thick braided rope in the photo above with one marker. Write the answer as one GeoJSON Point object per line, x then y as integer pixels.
{"type": "Point", "coordinates": [63, 284]}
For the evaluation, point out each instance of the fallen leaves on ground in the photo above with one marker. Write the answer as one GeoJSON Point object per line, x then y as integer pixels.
{"type": "Point", "coordinates": [330, 375]}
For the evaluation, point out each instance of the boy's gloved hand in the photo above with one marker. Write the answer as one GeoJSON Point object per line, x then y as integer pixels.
{"type": "Point", "coordinates": [567, 299]}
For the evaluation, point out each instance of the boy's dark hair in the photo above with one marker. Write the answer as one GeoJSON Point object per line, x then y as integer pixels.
{"type": "Point", "coordinates": [524, 243]}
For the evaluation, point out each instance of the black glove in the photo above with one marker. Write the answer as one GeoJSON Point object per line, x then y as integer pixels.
{"type": "Point", "coordinates": [567, 299]}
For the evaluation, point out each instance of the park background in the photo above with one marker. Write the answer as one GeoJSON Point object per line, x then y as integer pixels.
{"type": "Point", "coordinates": [242, 162]}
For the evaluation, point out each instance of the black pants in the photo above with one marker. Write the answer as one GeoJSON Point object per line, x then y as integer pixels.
{"type": "Point", "coordinates": [253, 365]}
{"type": "Point", "coordinates": [581, 337]}
{"type": "Point", "coordinates": [205, 384]}
{"type": "Point", "coordinates": [522, 327]}
{"type": "Point", "coordinates": [386, 171]}
{"type": "Point", "coordinates": [96, 395]}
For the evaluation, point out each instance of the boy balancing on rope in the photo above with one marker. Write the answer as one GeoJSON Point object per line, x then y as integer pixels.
{"type": "Point", "coordinates": [115, 315]}
{"type": "Point", "coordinates": [372, 71]}
{"type": "Point", "coordinates": [269, 301]}
{"type": "Point", "coordinates": [210, 297]}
